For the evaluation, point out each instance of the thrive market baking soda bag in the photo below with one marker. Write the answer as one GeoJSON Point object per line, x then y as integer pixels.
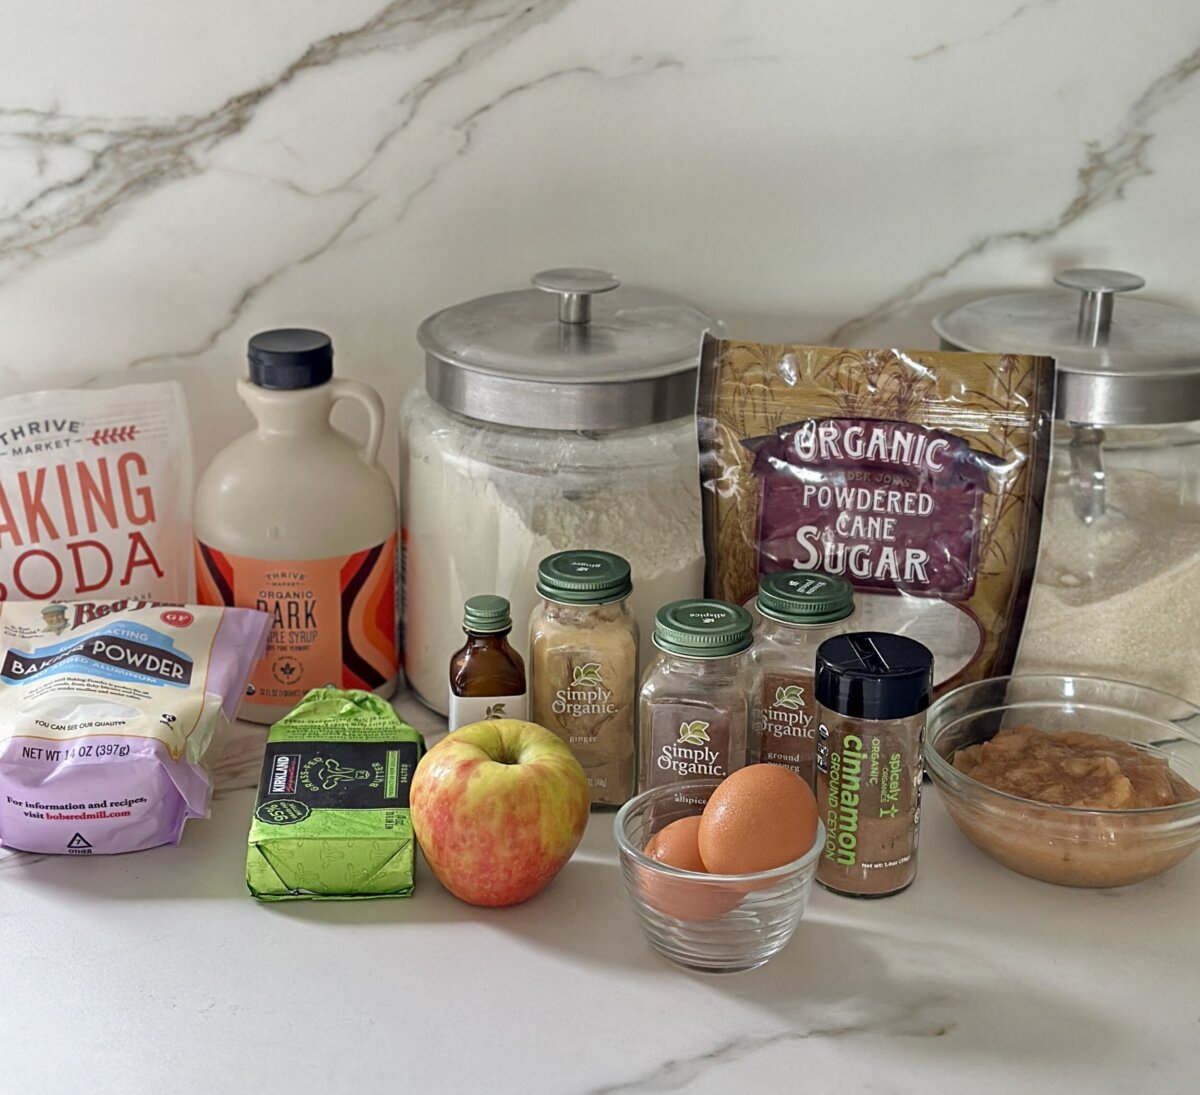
{"type": "Point", "coordinates": [95, 494]}
{"type": "Point", "coordinates": [919, 476]}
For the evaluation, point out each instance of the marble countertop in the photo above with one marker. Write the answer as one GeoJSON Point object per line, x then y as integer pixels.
{"type": "Point", "coordinates": [157, 972]}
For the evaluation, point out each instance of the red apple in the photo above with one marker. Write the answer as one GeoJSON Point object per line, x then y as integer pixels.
{"type": "Point", "coordinates": [498, 808]}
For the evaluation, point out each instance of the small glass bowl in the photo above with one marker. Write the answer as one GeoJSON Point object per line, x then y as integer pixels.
{"type": "Point", "coordinates": [1068, 845]}
{"type": "Point", "coordinates": [707, 922]}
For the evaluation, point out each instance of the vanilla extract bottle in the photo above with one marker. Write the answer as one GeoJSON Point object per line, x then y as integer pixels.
{"type": "Point", "coordinates": [487, 676]}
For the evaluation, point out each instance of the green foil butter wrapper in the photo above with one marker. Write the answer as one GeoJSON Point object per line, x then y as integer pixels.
{"type": "Point", "coordinates": [332, 820]}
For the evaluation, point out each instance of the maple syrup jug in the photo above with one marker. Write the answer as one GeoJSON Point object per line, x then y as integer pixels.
{"type": "Point", "coordinates": [298, 520]}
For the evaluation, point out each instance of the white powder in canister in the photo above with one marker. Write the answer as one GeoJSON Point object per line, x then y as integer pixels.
{"type": "Point", "coordinates": [1119, 598]}
{"type": "Point", "coordinates": [473, 525]}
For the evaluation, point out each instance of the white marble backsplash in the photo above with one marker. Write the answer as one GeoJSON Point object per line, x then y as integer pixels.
{"type": "Point", "coordinates": [175, 177]}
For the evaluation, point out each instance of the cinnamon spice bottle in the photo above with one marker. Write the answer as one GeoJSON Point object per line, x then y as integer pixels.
{"type": "Point", "coordinates": [872, 693]}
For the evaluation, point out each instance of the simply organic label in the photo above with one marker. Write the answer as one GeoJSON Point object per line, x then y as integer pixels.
{"type": "Point", "coordinates": [587, 699]}
{"type": "Point", "coordinates": [890, 505]}
{"type": "Point", "coordinates": [683, 747]}
{"type": "Point", "coordinates": [787, 730]}
{"type": "Point", "coordinates": [585, 696]}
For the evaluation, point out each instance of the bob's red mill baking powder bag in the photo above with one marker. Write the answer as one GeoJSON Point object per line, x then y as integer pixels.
{"type": "Point", "coordinates": [919, 476]}
{"type": "Point", "coordinates": [96, 495]}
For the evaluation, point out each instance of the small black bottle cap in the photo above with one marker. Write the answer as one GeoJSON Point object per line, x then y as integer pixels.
{"type": "Point", "coordinates": [290, 358]}
{"type": "Point", "coordinates": [874, 675]}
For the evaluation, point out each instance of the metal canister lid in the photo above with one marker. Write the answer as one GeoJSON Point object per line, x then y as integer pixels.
{"type": "Point", "coordinates": [1134, 364]}
{"type": "Point", "coordinates": [600, 357]}
{"type": "Point", "coordinates": [702, 628]}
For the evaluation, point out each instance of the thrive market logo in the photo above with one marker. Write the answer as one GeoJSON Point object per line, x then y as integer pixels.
{"type": "Point", "coordinates": [586, 694]}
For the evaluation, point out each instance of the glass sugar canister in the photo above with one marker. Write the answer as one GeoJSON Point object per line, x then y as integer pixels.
{"type": "Point", "coordinates": [552, 418]}
{"type": "Point", "coordinates": [1117, 587]}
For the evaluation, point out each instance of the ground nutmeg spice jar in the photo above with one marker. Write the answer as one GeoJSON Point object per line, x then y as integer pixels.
{"type": "Point", "coordinates": [872, 691]}
{"type": "Point", "coordinates": [797, 611]}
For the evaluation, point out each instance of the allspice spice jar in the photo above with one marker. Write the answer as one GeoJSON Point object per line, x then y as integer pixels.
{"type": "Point", "coordinates": [696, 695]}
{"type": "Point", "coordinates": [583, 665]}
{"type": "Point", "coordinates": [872, 693]}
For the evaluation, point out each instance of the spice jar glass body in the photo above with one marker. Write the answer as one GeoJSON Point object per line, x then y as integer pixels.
{"type": "Point", "coordinates": [796, 611]}
{"type": "Point", "coordinates": [487, 677]}
{"type": "Point", "coordinates": [583, 676]}
{"type": "Point", "coordinates": [694, 706]}
{"type": "Point", "coordinates": [872, 693]}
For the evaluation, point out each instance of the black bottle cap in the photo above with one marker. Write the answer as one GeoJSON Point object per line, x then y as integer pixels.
{"type": "Point", "coordinates": [290, 358]}
{"type": "Point", "coordinates": [874, 675]}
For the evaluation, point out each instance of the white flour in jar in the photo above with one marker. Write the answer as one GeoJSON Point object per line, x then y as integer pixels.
{"type": "Point", "coordinates": [1118, 598]}
{"type": "Point", "coordinates": [473, 528]}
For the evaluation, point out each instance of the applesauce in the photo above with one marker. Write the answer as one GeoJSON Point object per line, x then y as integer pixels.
{"type": "Point", "coordinates": [1073, 768]}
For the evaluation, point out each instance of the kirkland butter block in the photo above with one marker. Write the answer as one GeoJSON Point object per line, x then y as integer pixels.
{"type": "Point", "coordinates": [332, 821]}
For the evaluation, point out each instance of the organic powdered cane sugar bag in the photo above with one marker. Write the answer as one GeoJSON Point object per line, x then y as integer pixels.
{"type": "Point", "coordinates": [917, 475]}
{"type": "Point", "coordinates": [95, 494]}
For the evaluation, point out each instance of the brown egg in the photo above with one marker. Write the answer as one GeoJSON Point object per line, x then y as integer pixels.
{"type": "Point", "coordinates": [697, 899]}
{"type": "Point", "coordinates": [759, 818]}
{"type": "Point", "coordinates": [676, 845]}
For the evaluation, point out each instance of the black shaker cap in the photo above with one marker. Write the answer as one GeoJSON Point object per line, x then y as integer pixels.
{"type": "Point", "coordinates": [874, 675]}
{"type": "Point", "coordinates": [290, 358]}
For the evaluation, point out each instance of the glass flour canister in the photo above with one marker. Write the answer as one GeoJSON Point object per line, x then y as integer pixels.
{"type": "Point", "coordinates": [552, 418]}
{"type": "Point", "coordinates": [1117, 588]}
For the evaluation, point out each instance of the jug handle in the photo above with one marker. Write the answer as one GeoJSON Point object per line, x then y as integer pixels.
{"type": "Point", "coordinates": [369, 398]}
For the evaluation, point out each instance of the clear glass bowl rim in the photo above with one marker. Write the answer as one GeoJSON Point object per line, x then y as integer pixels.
{"type": "Point", "coordinates": [962, 785]}
{"type": "Point", "coordinates": [708, 784]}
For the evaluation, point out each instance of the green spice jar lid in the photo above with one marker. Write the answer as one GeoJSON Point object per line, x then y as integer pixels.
{"type": "Point", "coordinates": [487, 614]}
{"type": "Point", "coordinates": [804, 597]}
{"type": "Point", "coordinates": [584, 577]}
{"type": "Point", "coordinates": [703, 629]}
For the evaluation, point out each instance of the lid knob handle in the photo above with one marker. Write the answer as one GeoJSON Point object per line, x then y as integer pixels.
{"type": "Point", "coordinates": [1096, 306]}
{"type": "Point", "coordinates": [575, 286]}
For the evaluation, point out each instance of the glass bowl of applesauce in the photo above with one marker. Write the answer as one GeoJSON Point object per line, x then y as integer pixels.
{"type": "Point", "coordinates": [711, 923]}
{"type": "Point", "coordinates": [1078, 781]}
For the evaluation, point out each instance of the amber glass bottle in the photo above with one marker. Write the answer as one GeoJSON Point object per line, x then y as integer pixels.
{"type": "Point", "coordinates": [487, 676]}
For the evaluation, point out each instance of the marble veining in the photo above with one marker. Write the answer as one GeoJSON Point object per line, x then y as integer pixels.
{"type": "Point", "coordinates": [908, 1019]}
{"type": "Point", "coordinates": [1108, 169]}
{"type": "Point", "coordinates": [998, 27]}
